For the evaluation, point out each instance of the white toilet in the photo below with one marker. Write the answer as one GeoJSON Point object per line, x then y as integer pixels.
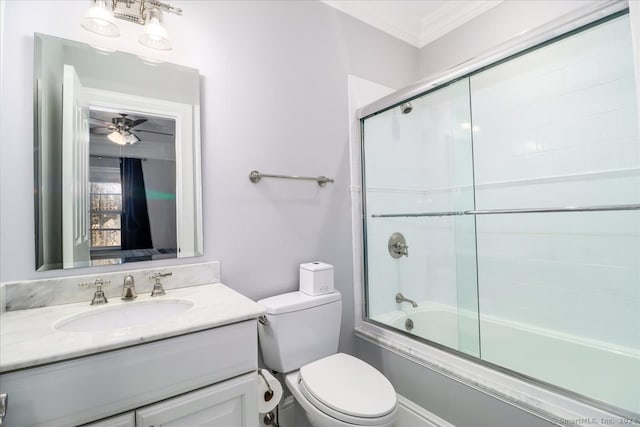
{"type": "Point", "coordinates": [300, 339]}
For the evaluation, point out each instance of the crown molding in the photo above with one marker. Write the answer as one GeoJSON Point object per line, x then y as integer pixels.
{"type": "Point", "coordinates": [383, 22]}
{"type": "Point", "coordinates": [450, 16]}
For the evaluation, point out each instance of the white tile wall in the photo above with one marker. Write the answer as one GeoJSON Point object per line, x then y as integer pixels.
{"type": "Point", "coordinates": [574, 117]}
{"type": "Point", "coordinates": [558, 127]}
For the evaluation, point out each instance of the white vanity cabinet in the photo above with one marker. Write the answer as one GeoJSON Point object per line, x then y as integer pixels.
{"type": "Point", "coordinates": [232, 403]}
{"type": "Point", "coordinates": [201, 378]}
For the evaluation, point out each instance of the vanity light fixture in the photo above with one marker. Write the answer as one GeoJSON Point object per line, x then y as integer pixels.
{"type": "Point", "coordinates": [100, 19]}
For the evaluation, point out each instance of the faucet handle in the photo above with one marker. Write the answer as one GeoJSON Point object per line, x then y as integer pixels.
{"type": "Point", "coordinates": [157, 276]}
{"type": "Point", "coordinates": [99, 296]}
{"type": "Point", "coordinates": [397, 246]}
{"type": "Point", "coordinates": [99, 283]}
{"type": "Point", "coordinates": [401, 249]}
{"type": "Point", "coordinates": [157, 286]}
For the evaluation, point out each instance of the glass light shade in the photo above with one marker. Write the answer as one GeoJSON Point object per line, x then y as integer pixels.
{"type": "Point", "coordinates": [99, 19]}
{"type": "Point", "coordinates": [117, 138]}
{"type": "Point", "coordinates": [154, 34]}
{"type": "Point", "coordinates": [124, 138]}
{"type": "Point", "coordinates": [130, 138]}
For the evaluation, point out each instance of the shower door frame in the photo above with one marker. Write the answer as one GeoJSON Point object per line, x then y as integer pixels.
{"type": "Point", "coordinates": [543, 399]}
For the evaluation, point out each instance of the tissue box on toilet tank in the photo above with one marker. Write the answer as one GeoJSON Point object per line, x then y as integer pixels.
{"type": "Point", "coordinates": [316, 278]}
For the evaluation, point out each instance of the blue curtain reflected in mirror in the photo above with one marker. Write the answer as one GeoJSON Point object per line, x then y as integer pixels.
{"type": "Point", "coordinates": [136, 230]}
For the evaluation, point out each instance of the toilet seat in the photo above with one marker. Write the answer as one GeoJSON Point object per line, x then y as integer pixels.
{"type": "Point", "coordinates": [348, 389]}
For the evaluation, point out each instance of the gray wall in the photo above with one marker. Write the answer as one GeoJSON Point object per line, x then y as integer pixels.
{"type": "Point", "coordinates": [274, 98]}
{"type": "Point", "coordinates": [459, 404]}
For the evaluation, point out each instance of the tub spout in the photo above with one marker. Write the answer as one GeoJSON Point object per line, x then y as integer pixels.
{"type": "Point", "coordinates": [401, 298]}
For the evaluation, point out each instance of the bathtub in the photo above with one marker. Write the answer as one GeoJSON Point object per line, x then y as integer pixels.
{"type": "Point", "coordinates": [599, 370]}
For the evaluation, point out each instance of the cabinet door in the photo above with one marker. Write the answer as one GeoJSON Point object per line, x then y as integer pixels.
{"type": "Point", "coordinates": [125, 420]}
{"type": "Point", "coordinates": [232, 403]}
{"type": "Point", "coordinates": [101, 385]}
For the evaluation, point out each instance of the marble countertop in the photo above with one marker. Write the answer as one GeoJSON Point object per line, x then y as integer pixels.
{"type": "Point", "coordinates": [28, 338]}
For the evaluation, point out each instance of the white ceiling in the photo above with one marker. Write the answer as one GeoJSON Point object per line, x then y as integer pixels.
{"type": "Point", "coordinates": [156, 134]}
{"type": "Point", "coordinates": [417, 22]}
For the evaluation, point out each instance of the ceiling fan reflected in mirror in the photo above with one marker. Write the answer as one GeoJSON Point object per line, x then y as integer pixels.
{"type": "Point", "coordinates": [121, 129]}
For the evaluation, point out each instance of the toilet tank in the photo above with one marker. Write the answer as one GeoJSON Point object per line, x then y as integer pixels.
{"type": "Point", "coordinates": [300, 329]}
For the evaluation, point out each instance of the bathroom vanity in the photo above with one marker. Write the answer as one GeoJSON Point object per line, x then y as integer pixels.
{"type": "Point", "coordinates": [195, 362]}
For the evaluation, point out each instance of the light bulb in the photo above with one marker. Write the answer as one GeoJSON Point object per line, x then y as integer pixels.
{"type": "Point", "coordinates": [154, 34]}
{"type": "Point", "coordinates": [99, 20]}
{"type": "Point", "coordinates": [123, 138]}
{"type": "Point", "coordinates": [130, 138]}
{"type": "Point", "coordinates": [117, 138]}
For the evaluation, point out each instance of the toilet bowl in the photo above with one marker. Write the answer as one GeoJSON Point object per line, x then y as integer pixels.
{"type": "Point", "coordinates": [299, 338]}
{"type": "Point", "coordinates": [342, 391]}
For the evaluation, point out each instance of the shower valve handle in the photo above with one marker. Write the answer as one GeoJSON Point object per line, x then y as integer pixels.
{"type": "Point", "coordinates": [401, 249]}
{"type": "Point", "coordinates": [397, 246]}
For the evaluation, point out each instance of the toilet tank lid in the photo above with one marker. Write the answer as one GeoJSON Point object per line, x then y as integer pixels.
{"type": "Point", "coordinates": [316, 266]}
{"type": "Point", "coordinates": [295, 301]}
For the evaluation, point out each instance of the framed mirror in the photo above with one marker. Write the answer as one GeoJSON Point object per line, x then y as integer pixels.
{"type": "Point", "coordinates": [117, 157]}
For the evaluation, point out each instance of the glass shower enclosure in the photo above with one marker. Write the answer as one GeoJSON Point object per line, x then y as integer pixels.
{"type": "Point", "coordinates": [502, 215]}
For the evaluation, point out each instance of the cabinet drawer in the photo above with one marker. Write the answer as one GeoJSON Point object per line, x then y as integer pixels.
{"type": "Point", "coordinates": [94, 387]}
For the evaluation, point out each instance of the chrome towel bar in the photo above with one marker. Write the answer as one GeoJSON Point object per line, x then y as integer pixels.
{"type": "Point", "coordinates": [256, 176]}
{"type": "Point", "coordinates": [628, 207]}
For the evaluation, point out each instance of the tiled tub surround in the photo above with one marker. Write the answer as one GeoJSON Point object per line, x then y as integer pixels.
{"type": "Point", "coordinates": [65, 290]}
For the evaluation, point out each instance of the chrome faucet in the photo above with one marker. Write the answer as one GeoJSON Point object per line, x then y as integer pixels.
{"type": "Point", "coordinates": [157, 286]}
{"type": "Point", "coordinates": [129, 288]}
{"type": "Point", "coordinates": [401, 298]}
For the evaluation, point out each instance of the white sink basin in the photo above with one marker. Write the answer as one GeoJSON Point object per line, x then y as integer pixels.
{"type": "Point", "coordinates": [123, 315]}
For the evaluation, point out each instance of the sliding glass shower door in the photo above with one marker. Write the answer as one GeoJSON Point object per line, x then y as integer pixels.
{"type": "Point", "coordinates": [502, 215]}
{"type": "Point", "coordinates": [558, 128]}
{"type": "Point", "coordinates": [423, 264]}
